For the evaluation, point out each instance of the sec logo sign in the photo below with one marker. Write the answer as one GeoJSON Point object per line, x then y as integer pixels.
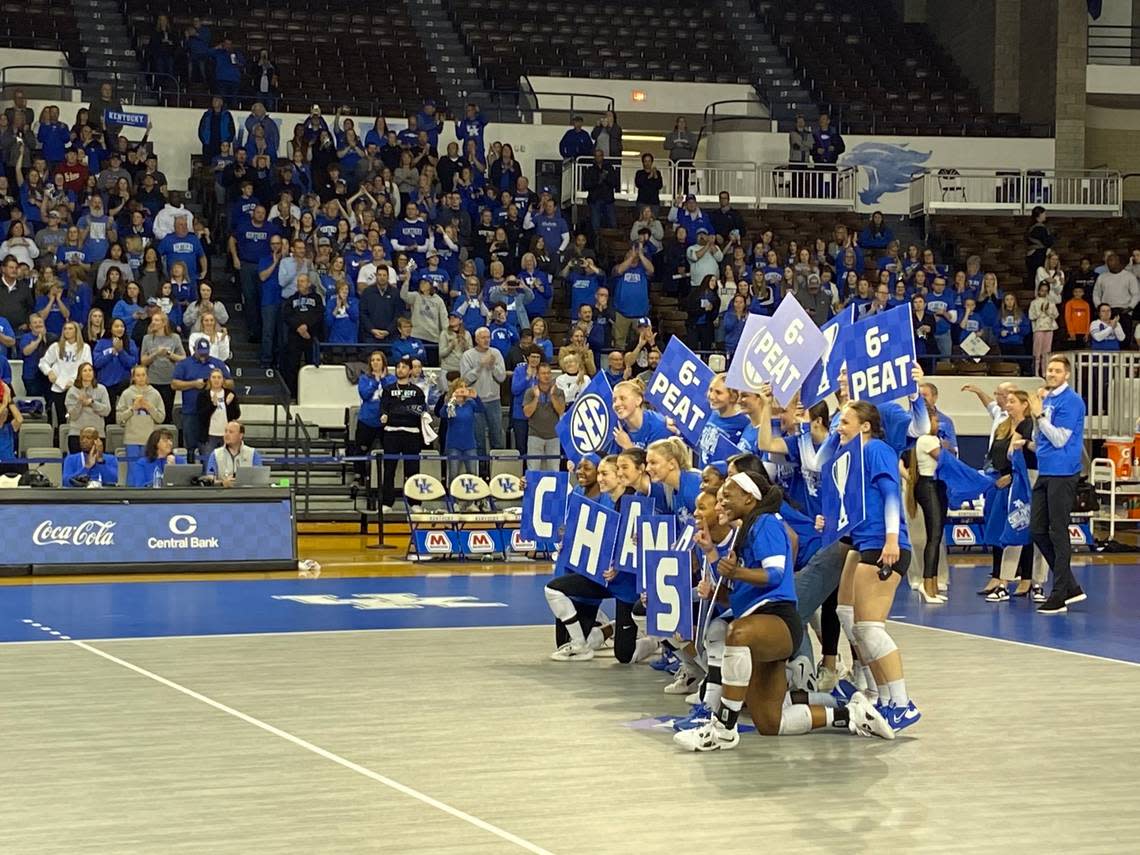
{"type": "Point", "coordinates": [590, 427]}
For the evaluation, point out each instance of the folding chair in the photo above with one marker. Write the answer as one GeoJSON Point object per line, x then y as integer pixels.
{"type": "Point", "coordinates": [432, 515]}
{"type": "Point", "coordinates": [466, 490]}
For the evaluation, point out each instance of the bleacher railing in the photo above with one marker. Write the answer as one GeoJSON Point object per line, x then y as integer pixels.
{"type": "Point", "coordinates": [990, 190]}
{"type": "Point", "coordinates": [753, 184]}
{"type": "Point", "coordinates": [1113, 45]}
{"type": "Point", "coordinates": [1109, 382]}
{"type": "Point", "coordinates": [66, 82]}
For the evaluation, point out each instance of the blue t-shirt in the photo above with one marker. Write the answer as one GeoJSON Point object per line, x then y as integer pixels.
{"type": "Point", "coordinates": [653, 427]}
{"type": "Point", "coordinates": [583, 288]}
{"type": "Point", "coordinates": [1063, 408]}
{"type": "Point", "coordinates": [186, 249]}
{"type": "Point", "coordinates": [632, 297]}
{"type": "Point", "coordinates": [253, 241]}
{"type": "Point", "coordinates": [409, 346]}
{"type": "Point", "coordinates": [193, 368]}
{"type": "Point", "coordinates": [270, 288]}
{"type": "Point", "coordinates": [461, 425]}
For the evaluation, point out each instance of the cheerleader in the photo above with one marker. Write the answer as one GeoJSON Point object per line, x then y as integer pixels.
{"type": "Point", "coordinates": [637, 426]}
{"type": "Point", "coordinates": [759, 630]}
{"type": "Point", "coordinates": [881, 557]}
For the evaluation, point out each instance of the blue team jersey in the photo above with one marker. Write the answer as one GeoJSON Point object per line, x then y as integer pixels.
{"type": "Point", "coordinates": [765, 545]}
{"type": "Point", "coordinates": [803, 488]}
{"type": "Point", "coordinates": [653, 427]}
{"type": "Point", "coordinates": [748, 438]}
{"type": "Point", "coordinates": [883, 498]}
{"type": "Point", "coordinates": [808, 540]}
{"type": "Point", "coordinates": [682, 502]}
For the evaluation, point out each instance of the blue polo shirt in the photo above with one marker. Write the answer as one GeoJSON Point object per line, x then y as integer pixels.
{"type": "Point", "coordinates": [193, 368]}
{"type": "Point", "coordinates": [253, 241]}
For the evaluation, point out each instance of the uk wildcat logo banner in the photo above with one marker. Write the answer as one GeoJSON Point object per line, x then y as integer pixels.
{"type": "Point", "coordinates": [714, 447]}
{"type": "Point", "coordinates": [780, 350]}
{"type": "Point", "coordinates": [544, 506]}
{"type": "Point", "coordinates": [587, 426]}
{"type": "Point", "coordinates": [669, 594]}
{"type": "Point", "coordinates": [679, 388]}
{"type": "Point", "coordinates": [842, 498]}
{"type": "Point", "coordinates": [588, 545]}
{"type": "Point", "coordinates": [879, 354]}
{"type": "Point", "coordinates": [1015, 532]}
{"type": "Point", "coordinates": [824, 378]}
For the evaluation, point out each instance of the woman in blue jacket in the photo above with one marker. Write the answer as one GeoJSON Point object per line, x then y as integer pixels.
{"type": "Point", "coordinates": [130, 309]}
{"type": "Point", "coordinates": [342, 316]}
{"type": "Point", "coordinates": [370, 387]}
{"type": "Point", "coordinates": [734, 320]}
{"type": "Point", "coordinates": [1012, 327]}
{"type": "Point", "coordinates": [114, 355]}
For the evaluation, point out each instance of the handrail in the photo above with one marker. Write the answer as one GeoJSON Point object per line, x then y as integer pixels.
{"type": "Point", "coordinates": [990, 190]}
{"type": "Point", "coordinates": [500, 99]}
{"type": "Point", "coordinates": [1112, 44]}
{"type": "Point", "coordinates": [141, 80]}
{"type": "Point", "coordinates": [711, 109]}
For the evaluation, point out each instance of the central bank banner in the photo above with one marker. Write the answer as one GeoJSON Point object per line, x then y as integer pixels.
{"type": "Point", "coordinates": [147, 532]}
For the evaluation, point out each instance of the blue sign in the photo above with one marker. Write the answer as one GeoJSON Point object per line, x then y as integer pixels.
{"type": "Point", "coordinates": [824, 378]}
{"type": "Point", "coordinates": [446, 543]}
{"type": "Point", "coordinates": [686, 538]}
{"type": "Point", "coordinates": [587, 426]}
{"type": "Point", "coordinates": [679, 388]}
{"type": "Point", "coordinates": [879, 354]}
{"type": "Point", "coordinates": [669, 596]}
{"type": "Point", "coordinates": [131, 120]}
{"type": "Point", "coordinates": [126, 532]}
{"type": "Point", "coordinates": [544, 505]}
{"type": "Point", "coordinates": [588, 545]}
{"type": "Point", "coordinates": [842, 494]}
{"type": "Point", "coordinates": [715, 447]}
{"type": "Point", "coordinates": [780, 350]}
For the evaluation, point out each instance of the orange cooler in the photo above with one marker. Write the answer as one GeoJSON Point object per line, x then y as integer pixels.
{"type": "Point", "coordinates": [1118, 449]}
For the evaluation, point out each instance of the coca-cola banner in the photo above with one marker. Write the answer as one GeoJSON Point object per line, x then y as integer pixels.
{"type": "Point", "coordinates": [127, 532]}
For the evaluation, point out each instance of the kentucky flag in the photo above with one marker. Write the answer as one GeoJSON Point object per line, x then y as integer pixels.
{"type": "Point", "coordinates": [963, 484]}
{"type": "Point", "coordinates": [1015, 532]}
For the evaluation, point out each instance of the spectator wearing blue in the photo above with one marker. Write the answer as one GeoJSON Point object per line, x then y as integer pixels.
{"type": "Point", "coordinates": [470, 128]}
{"type": "Point", "coordinates": [430, 122]}
{"type": "Point", "coordinates": [689, 216]}
{"type": "Point", "coordinates": [523, 377]}
{"type": "Point", "coordinates": [53, 136]}
{"type": "Point", "coordinates": [946, 432]}
{"type": "Point", "coordinates": [378, 134]}
{"type": "Point", "coordinates": [541, 338]}
{"type": "Point", "coordinates": [405, 344]}
{"type": "Point", "coordinates": [1012, 327]}
{"type": "Point", "coordinates": [241, 209]}
{"type": "Point", "coordinates": [90, 465]}
{"type": "Point", "coordinates": [131, 308]}
{"type": "Point", "coordinates": [433, 273]}
{"type": "Point", "coordinates": [631, 297]}
{"type": "Point", "coordinates": [504, 334]}
{"type": "Point", "coordinates": [583, 278]}
{"type": "Point", "coordinates": [370, 387]}
{"type": "Point", "coordinates": [197, 47]}
{"type": "Point", "coordinates": [380, 305]}
{"type": "Point", "coordinates": [97, 230]}
{"type": "Point", "coordinates": [30, 348]}
{"type": "Point", "coordinates": [259, 118]}
{"type": "Point", "coordinates": [147, 469]}
{"type": "Point", "coordinates": [293, 265]}
{"type": "Point", "coordinates": [1106, 332]}
{"type": "Point", "coordinates": [229, 68]}
{"type": "Point", "coordinates": [342, 316]}
{"type": "Point", "coordinates": [412, 234]}
{"type": "Point", "coordinates": [470, 306]}
{"type": "Point", "coordinates": [408, 137]}
{"type": "Point", "coordinates": [827, 143]}
{"type": "Point", "coordinates": [191, 376]}
{"type": "Point", "coordinates": [249, 247]}
{"type": "Point", "coordinates": [940, 303]}
{"type": "Point", "coordinates": [600, 181]}
{"type": "Point", "coordinates": [114, 356]}
{"type": "Point", "coordinates": [459, 414]}
{"type": "Point", "coordinates": [271, 333]}
{"type": "Point", "coordinates": [539, 284]}
{"type": "Point", "coordinates": [576, 142]}
{"type": "Point", "coordinates": [216, 127]}
{"type": "Point", "coordinates": [181, 245]}
{"type": "Point", "coordinates": [877, 234]}
{"type": "Point", "coordinates": [550, 225]}
{"type": "Point", "coordinates": [515, 297]}
{"type": "Point", "coordinates": [733, 321]}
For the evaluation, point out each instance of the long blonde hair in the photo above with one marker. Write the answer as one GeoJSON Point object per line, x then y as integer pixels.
{"type": "Point", "coordinates": [63, 335]}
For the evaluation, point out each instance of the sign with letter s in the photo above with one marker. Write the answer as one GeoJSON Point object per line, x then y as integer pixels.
{"type": "Point", "coordinates": [842, 494]}
{"type": "Point", "coordinates": [588, 545]}
{"type": "Point", "coordinates": [544, 505]}
{"type": "Point", "coordinates": [669, 594]}
{"type": "Point", "coordinates": [780, 350]}
{"type": "Point", "coordinates": [879, 353]}
{"type": "Point", "coordinates": [679, 388]}
{"type": "Point", "coordinates": [587, 426]}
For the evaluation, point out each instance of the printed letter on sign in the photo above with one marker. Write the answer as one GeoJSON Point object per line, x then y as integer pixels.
{"type": "Point", "coordinates": [588, 544]}
{"type": "Point", "coordinates": [780, 351]}
{"type": "Point", "coordinates": [544, 505]}
{"type": "Point", "coordinates": [679, 389]}
{"type": "Point", "coordinates": [669, 596]}
{"type": "Point", "coordinates": [880, 354]}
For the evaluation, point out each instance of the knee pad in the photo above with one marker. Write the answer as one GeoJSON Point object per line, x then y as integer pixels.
{"type": "Point", "coordinates": [561, 606]}
{"type": "Point", "coordinates": [846, 615]}
{"type": "Point", "coordinates": [795, 720]}
{"type": "Point", "coordinates": [714, 641]}
{"type": "Point", "coordinates": [737, 667]}
{"type": "Point", "coordinates": [873, 640]}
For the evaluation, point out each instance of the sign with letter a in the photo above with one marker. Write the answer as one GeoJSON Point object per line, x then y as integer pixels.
{"type": "Point", "coordinates": [679, 388]}
{"type": "Point", "coordinates": [587, 426]}
{"type": "Point", "coordinates": [780, 350]}
{"type": "Point", "coordinates": [544, 505]}
{"type": "Point", "coordinates": [588, 545]}
{"type": "Point", "coordinates": [879, 353]}
{"type": "Point", "coordinates": [841, 491]}
{"type": "Point", "coordinates": [669, 594]}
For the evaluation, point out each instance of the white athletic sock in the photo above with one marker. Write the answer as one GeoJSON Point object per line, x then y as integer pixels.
{"type": "Point", "coordinates": [596, 638]}
{"type": "Point", "coordinates": [713, 695]}
{"type": "Point", "coordinates": [872, 690]}
{"type": "Point", "coordinates": [563, 609]}
{"type": "Point", "coordinates": [897, 690]}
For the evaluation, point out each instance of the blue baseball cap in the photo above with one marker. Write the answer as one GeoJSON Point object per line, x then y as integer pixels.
{"type": "Point", "coordinates": [644, 322]}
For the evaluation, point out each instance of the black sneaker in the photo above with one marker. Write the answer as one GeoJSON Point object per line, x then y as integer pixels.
{"type": "Point", "coordinates": [1055, 605]}
{"type": "Point", "coordinates": [1077, 596]}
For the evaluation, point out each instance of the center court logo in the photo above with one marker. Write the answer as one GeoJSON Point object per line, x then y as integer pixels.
{"type": "Point", "coordinates": [589, 424]}
{"type": "Point", "coordinates": [87, 533]}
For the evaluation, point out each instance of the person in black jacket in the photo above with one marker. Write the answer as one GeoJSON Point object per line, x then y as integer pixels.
{"type": "Point", "coordinates": [704, 309]}
{"type": "Point", "coordinates": [305, 321]}
{"type": "Point", "coordinates": [380, 305]}
{"type": "Point", "coordinates": [923, 323]}
{"type": "Point", "coordinates": [726, 220]}
{"type": "Point", "coordinates": [601, 182]}
{"type": "Point", "coordinates": [16, 298]}
{"type": "Point", "coordinates": [402, 406]}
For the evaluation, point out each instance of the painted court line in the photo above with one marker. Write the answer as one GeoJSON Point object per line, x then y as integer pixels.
{"type": "Point", "coordinates": [520, 842]}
